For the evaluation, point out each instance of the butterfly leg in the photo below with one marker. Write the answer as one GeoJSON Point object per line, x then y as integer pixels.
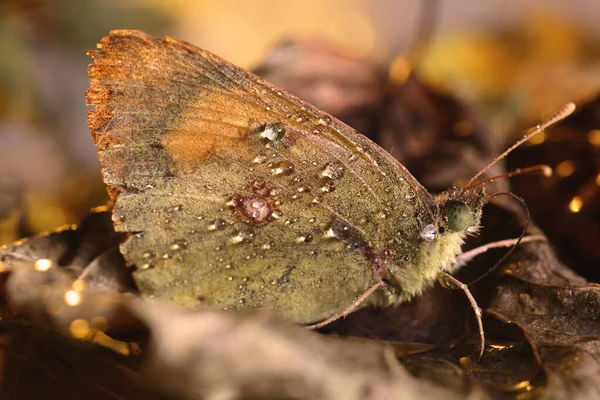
{"type": "Point", "coordinates": [469, 255]}
{"type": "Point", "coordinates": [476, 308]}
{"type": "Point", "coordinates": [350, 308]}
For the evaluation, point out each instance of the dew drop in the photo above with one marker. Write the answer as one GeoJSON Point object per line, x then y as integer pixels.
{"type": "Point", "coordinates": [429, 232]}
{"type": "Point", "coordinates": [259, 159]}
{"type": "Point", "coordinates": [332, 171]}
{"type": "Point", "coordinates": [328, 186]}
{"type": "Point", "coordinates": [178, 207]}
{"type": "Point", "coordinates": [271, 132]}
{"type": "Point", "coordinates": [230, 278]}
{"type": "Point", "coordinates": [243, 236]}
{"type": "Point", "coordinates": [282, 168]}
{"type": "Point", "coordinates": [179, 244]}
{"type": "Point", "coordinates": [304, 239]}
{"type": "Point", "coordinates": [217, 224]}
{"type": "Point", "coordinates": [276, 214]}
{"type": "Point", "coordinates": [325, 120]}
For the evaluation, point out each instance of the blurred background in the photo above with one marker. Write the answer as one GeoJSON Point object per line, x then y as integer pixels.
{"type": "Point", "coordinates": [511, 62]}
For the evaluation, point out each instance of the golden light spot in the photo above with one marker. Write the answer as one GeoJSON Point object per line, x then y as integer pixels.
{"type": "Point", "coordinates": [43, 264]}
{"type": "Point", "coordinates": [499, 346]}
{"type": "Point", "coordinates": [576, 204]}
{"type": "Point", "coordinates": [100, 323]}
{"type": "Point", "coordinates": [547, 171]}
{"type": "Point", "coordinates": [538, 139]}
{"type": "Point", "coordinates": [594, 137]}
{"type": "Point", "coordinates": [72, 298]}
{"type": "Point", "coordinates": [79, 285]}
{"type": "Point", "coordinates": [80, 329]}
{"type": "Point", "coordinates": [3, 267]}
{"type": "Point", "coordinates": [115, 345]}
{"type": "Point", "coordinates": [399, 70]}
{"type": "Point", "coordinates": [99, 209]}
{"type": "Point", "coordinates": [598, 179]}
{"type": "Point", "coordinates": [521, 385]}
{"type": "Point", "coordinates": [463, 128]}
{"type": "Point", "coordinates": [565, 168]}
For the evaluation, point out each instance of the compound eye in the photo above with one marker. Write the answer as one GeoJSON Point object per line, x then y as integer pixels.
{"type": "Point", "coordinates": [459, 216]}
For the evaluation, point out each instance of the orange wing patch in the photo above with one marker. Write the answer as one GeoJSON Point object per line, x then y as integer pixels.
{"type": "Point", "coordinates": [214, 123]}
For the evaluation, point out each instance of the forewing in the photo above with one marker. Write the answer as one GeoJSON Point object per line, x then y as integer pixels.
{"type": "Point", "coordinates": [237, 194]}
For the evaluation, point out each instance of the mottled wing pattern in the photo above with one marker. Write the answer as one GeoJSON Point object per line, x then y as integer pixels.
{"type": "Point", "coordinates": [238, 194]}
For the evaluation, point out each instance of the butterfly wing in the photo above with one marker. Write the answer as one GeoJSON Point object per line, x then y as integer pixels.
{"type": "Point", "coordinates": [238, 194]}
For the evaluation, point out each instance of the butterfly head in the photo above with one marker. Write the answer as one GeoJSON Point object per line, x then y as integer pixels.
{"type": "Point", "coordinates": [455, 212]}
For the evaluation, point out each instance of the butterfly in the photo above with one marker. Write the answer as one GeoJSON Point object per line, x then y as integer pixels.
{"type": "Point", "coordinates": [238, 195]}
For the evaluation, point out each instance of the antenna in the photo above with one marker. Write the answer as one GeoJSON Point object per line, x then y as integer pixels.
{"type": "Point", "coordinates": [542, 169]}
{"type": "Point", "coordinates": [561, 114]}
